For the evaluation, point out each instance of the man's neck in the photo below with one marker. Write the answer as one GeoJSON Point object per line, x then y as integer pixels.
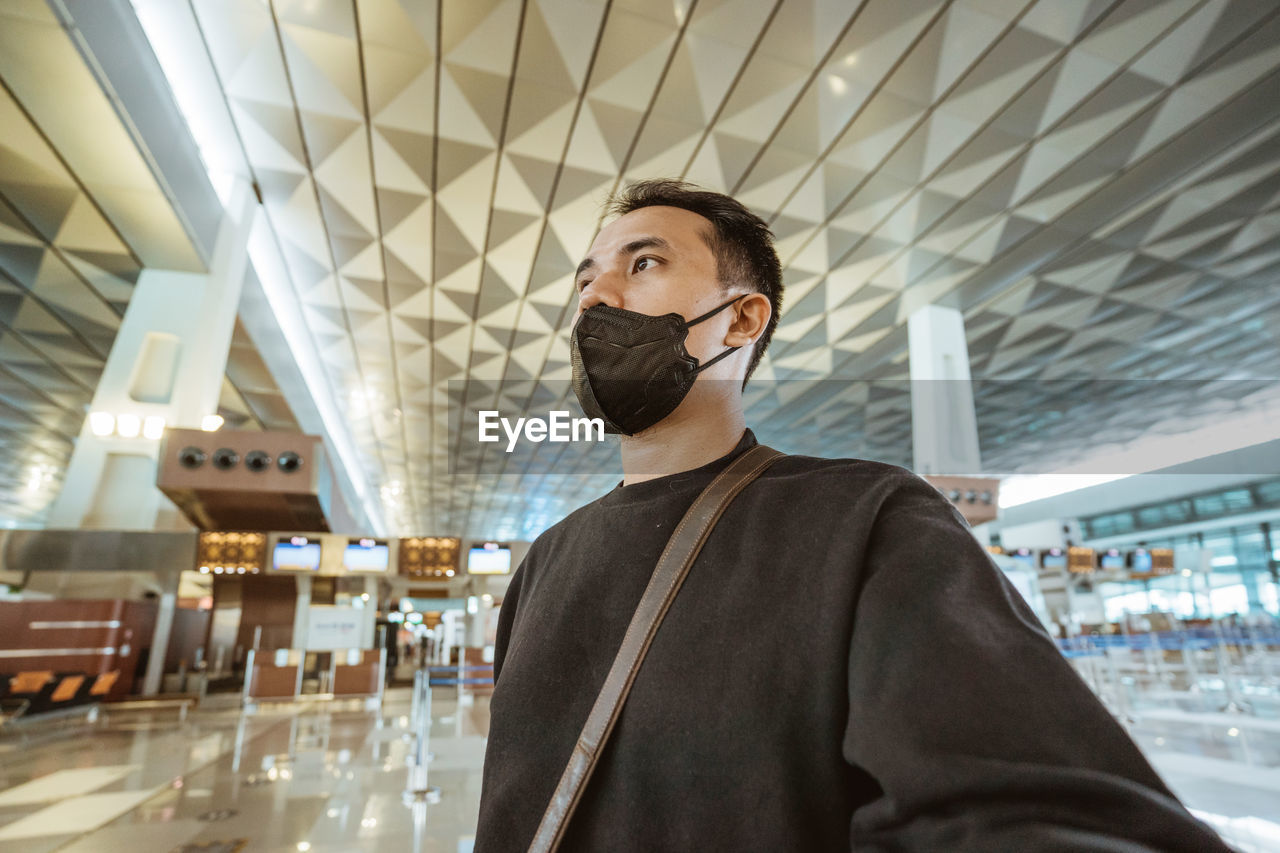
{"type": "Point", "coordinates": [681, 443]}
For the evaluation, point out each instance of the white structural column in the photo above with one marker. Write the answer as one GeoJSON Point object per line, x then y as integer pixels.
{"type": "Point", "coordinates": [944, 428]}
{"type": "Point", "coordinates": [160, 638]}
{"type": "Point", "coordinates": [301, 611]}
{"type": "Point", "coordinates": [168, 362]}
{"type": "Point", "coordinates": [477, 622]}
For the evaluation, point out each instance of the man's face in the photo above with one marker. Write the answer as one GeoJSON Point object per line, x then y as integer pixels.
{"type": "Point", "coordinates": [655, 261]}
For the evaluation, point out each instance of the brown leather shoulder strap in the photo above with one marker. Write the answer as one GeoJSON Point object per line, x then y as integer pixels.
{"type": "Point", "coordinates": [682, 549]}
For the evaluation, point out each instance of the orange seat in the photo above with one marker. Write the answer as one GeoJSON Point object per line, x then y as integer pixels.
{"type": "Point", "coordinates": [30, 682]}
{"type": "Point", "coordinates": [103, 684]}
{"type": "Point", "coordinates": [67, 688]}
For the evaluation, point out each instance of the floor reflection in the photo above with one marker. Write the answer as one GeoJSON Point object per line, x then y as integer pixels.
{"type": "Point", "coordinates": [324, 778]}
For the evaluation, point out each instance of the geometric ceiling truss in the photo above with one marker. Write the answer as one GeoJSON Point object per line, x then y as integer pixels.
{"type": "Point", "coordinates": [1095, 185]}
{"type": "Point", "coordinates": [80, 215]}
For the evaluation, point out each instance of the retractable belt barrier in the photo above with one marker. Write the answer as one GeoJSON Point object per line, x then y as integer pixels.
{"type": "Point", "coordinates": [1241, 663]}
{"type": "Point", "coordinates": [1197, 638]}
{"type": "Point", "coordinates": [454, 675]}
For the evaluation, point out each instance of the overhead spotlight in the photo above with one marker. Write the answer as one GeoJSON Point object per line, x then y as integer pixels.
{"type": "Point", "coordinates": [102, 423]}
{"type": "Point", "coordinates": [211, 423]}
{"type": "Point", "coordinates": [257, 461]}
{"type": "Point", "coordinates": [953, 495]}
{"type": "Point", "coordinates": [128, 426]}
{"type": "Point", "coordinates": [225, 458]}
{"type": "Point", "coordinates": [153, 427]}
{"type": "Point", "coordinates": [288, 462]}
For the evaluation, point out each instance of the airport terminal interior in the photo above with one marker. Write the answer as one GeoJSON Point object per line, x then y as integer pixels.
{"type": "Point", "coordinates": [262, 263]}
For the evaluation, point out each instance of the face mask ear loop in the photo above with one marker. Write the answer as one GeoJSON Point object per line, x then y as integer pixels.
{"type": "Point", "coordinates": [701, 367]}
{"type": "Point", "coordinates": [714, 311]}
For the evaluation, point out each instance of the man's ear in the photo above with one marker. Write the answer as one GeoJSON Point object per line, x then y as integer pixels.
{"type": "Point", "coordinates": [750, 317]}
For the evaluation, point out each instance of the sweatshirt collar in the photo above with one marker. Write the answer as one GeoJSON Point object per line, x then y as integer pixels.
{"type": "Point", "coordinates": [692, 480]}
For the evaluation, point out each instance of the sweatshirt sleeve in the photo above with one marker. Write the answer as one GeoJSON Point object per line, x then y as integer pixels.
{"type": "Point", "coordinates": [978, 732]}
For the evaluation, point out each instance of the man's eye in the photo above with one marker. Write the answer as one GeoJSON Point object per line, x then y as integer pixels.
{"type": "Point", "coordinates": [645, 263]}
{"type": "Point", "coordinates": [582, 285]}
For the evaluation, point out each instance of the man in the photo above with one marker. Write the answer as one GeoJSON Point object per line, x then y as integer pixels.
{"type": "Point", "coordinates": [843, 666]}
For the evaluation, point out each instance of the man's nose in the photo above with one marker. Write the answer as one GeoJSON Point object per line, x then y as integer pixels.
{"type": "Point", "coordinates": [603, 290]}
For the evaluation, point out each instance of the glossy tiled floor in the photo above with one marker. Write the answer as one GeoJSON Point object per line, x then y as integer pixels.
{"type": "Point", "coordinates": [320, 777]}
{"type": "Point", "coordinates": [327, 778]}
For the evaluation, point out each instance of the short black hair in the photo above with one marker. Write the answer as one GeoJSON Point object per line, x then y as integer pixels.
{"type": "Point", "coordinates": [741, 241]}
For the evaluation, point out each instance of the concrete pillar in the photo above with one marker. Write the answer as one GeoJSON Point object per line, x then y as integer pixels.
{"type": "Point", "coordinates": [168, 362]}
{"type": "Point", "coordinates": [477, 622]}
{"type": "Point", "coordinates": [301, 611]}
{"type": "Point", "coordinates": [944, 428]}
{"type": "Point", "coordinates": [160, 636]}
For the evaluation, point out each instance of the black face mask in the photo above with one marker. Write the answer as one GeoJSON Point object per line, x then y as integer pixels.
{"type": "Point", "coordinates": [631, 370]}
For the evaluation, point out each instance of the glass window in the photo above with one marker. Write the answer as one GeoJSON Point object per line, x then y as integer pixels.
{"type": "Point", "coordinates": [1178, 602]}
{"type": "Point", "coordinates": [1209, 506]}
{"type": "Point", "coordinates": [1251, 549]}
{"type": "Point", "coordinates": [1269, 595]}
{"type": "Point", "coordinates": [1109, 525]}
{"type": "Point", "coordinates": [1229, 599]}
{"type": "Point", "coordinates": [1268, 492]}
{"type": "Point", "coordinates": [1238, 500]}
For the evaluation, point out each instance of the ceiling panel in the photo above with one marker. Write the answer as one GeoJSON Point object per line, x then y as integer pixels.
{"type": "Point", "coordinates": [1094, 185]}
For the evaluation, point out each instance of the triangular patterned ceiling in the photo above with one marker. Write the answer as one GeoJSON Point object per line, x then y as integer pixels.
{"type": "Point", "coordinates": [1094, 185]}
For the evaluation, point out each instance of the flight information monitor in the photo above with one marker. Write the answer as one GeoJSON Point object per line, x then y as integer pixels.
{"type": "Point", "coordinates": [490, 558]}
{"type": "Point", "coordinates": [1140, 560]}
{"type": "Point", "coordinates": [365, 555]}
{"type": "Point", "coordinates": [1112, 558]}
{"type": "Point", "coordinates": [296, 554]}
{"type": "Point", "coordinates": [1054, 558]}
{"type": "Point", "coordinates": [1024, 557]}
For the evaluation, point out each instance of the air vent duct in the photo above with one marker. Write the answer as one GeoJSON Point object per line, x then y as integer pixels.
{"type": "Point", "coordinates": [241, 480]}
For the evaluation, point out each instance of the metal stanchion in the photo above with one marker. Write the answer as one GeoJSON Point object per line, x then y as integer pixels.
{"type": "Point", "coordinates": [1189, 652]}
{"type": "Point", "coordinates": [248, 679]}
{"type": "Point", "coordinates": [1091, 655]}
{"type": "Point", "coordinates": [418, 789]}
{"type": "Point", "coordinates": [1235, 703]}
{"type": "Point", "coordinates": [1261, 651]}
{"type": "Point", "coordinates": [382, 680]}
{"type": "Point", "coordinates": [1163, 676]}
{"type": "Point", "coordinates": [415, 702]}
{"type": "Point", "coordinates": [1125, 713]}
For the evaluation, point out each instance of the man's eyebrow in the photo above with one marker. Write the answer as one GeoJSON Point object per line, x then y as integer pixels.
{"type": "Point", "coordinates": [629, 249]}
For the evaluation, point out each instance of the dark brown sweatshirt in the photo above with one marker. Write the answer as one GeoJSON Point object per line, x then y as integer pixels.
{"type": "Point", "coordinates": [844, 668]}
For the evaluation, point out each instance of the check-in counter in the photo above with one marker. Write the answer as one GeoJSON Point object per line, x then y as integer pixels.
{"type": "Point", "coordinates": [277, 675]}
{"type": "Point", "coordinates": [358, 672]}
{"type": "Point", "coordinates": [272, 675]}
